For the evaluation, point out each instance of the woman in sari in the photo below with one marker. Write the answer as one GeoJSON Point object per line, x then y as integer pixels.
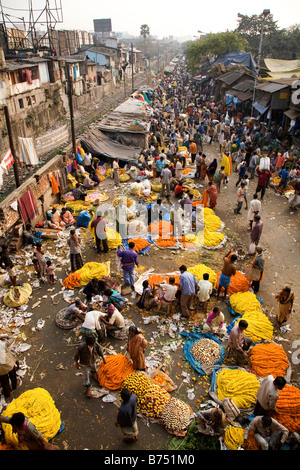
{"type": "Point", "coordinates": [212, 194]}
{"type": "Point", "coordinates": [226, 163]}
{"type": "Point", "coordinates": [147, 297]}
{"type": "Point", "coordinates": [40, 256]}
{"type": "Point", "coordinates": [211, 170]}
{"type": "Point", "coordinates": [214, 323]}
{"type": "Point", "coordinates": [136, 348]}
{"type": "Point", "coordinates": [286, 301]}
{"type": "Point", "coordinates": [203, 167]}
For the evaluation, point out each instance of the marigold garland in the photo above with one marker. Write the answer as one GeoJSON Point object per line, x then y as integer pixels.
{"type": "Point", "coordinates": [287, 410]}
{"type": "Point", "coordinates": [116, 368]}
{"type": "Point", "coordinates": [239, 385]}
{"type": "Point", "coordinates": [39, 407]}
{"type": "Point", "coordinates": [268, 358]}
{"type": "Point", "coordinates": [139, 243]}
{"type": "Point", "coordinates": [162, 227]}
{"type": "Point", "coordinates": [238, 283]}
{"type": "Point", "coordinates": [233, 437]}
{"type": "Point", "coordinates": [244, 302]}
{"type": "Point", "coordinates": [199, 269]}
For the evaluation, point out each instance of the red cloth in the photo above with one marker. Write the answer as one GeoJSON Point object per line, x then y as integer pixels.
{"type": "Point", "coordinates": [263, 177]}
{"type": "Point", "coordinates": [27, 207]}
{"type": "Point", "coordinates": [213, 196]}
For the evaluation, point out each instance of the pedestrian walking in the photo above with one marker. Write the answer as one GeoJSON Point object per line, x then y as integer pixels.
{"type": "Point", "coordinates": [255, 234]}
{"type": "Point", "coordinates": [240, 197]}
{"type": "Point", "coordinates": [85, 357]}
{"type": "Point", "coordinates": [127, 416]}
{"type": "Point", "coordinates": [129, 260]}
{"type": "Point", "coordinates": [74, 242]}
{"type": "Point", "coordinates": [99, 225]}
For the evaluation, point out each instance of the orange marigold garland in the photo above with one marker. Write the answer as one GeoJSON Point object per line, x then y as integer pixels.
{"type": "Point", "coordinates": [287, 410]}
{"type": "Point", "coordinates": [268, 358]}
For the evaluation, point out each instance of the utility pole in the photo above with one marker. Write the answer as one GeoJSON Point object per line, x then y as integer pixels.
{"type": "Point", "coordinates": [69, 79]}
{"type": "Point", "coordinates": [132, 78]}
{"type": "Point", "coordinates": [12, 146]}
{"type": "Point", "coordinates": [124, 71]}
{"type": "Point", "coordinates": [265, 14]}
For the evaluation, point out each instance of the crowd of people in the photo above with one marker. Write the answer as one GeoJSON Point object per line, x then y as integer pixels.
{"type": "Point", "coordinates": [185, 121]}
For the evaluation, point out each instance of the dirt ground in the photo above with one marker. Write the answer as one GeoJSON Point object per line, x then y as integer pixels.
{"type": "Point", "coordinates": [89, 423]}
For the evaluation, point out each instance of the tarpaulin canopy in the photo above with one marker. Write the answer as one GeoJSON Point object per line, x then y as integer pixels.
{"type": "Point", "coordinates": [99, 144]}
{"type": "Point", "coordinates": [261, 109]}
{"type": "Point", "coordinates": [236, 58]}
{"type": "Point", "coordinates": [278, 68]}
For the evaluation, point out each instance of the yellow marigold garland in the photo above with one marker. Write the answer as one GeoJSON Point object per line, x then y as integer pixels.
{"type": "Point", "coordinates": [233, 437]}
{"type": "Point", "coordinates": [244, 302]}
{"type": "Point", "coordinates": [199, 269]}
{"type": "Point", "coordinates": [239, 385]}
{"type": "Point", "coordinates": [38, 406]}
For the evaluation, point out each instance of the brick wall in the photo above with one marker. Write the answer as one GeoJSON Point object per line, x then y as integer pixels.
{"type": "Point", "coordinates": [41, 188]}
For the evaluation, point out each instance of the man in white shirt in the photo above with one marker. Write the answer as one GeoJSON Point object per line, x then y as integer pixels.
{"type": "Point", "coordinates": [267, 394]}
{"type": "Point", "coordinates": [121, 218]}
{"type": "Point", "coordinates": [166, 293]}
{"type": "Point", "coordinates": [204, 291]}
{"type": "Point", "coordinates": [91, 324]}
{"type": "Point", "coordinates": [87, 161]}
{"type": "Point", "coordinates": [254, 209]}
{"type": "Point", "coordinates": [268, 433]}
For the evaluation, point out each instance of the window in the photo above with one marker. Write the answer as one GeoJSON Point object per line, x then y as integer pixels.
{"type": "Point", "coordinates": [21, 103]}
{"type": "Point", "coordinates": [28, 98]}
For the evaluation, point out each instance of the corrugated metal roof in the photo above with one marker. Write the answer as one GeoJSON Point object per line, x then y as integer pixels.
{"type": "Point", "coordinates": [242, 96]}
{"type": "Point", "coordinates": [244, 86]}
{"type": "Point", "coordinates": [14, 65]}
{"type": "Point", "coordinates": [231, 77]}
{"type": "Point", "coordinates": [271, 87]}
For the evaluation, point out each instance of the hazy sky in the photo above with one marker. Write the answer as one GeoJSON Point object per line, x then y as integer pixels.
{"type": "Point", "coordinates": [164, 17]}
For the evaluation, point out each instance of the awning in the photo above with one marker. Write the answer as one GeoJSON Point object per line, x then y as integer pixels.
{"type": "Point", "coordinates": [261, 109]}
{"type": "Point", "coordinates": [292, 113]}
{"type": "Point", "coordinates": [242, 96]}
{"type": "Point", "coordinates": [100, 145]}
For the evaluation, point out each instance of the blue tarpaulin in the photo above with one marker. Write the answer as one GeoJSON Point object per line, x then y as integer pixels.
{"type": "Point", "coordinates": [236, 58]}
{"type": "Point", "coordinates": [192, 338]}
{"type": "Point", "coordinates": [261, 109]}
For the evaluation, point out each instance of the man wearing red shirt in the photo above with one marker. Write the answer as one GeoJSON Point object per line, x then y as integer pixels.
{"type": "Point", "coordinates": [263, 177]}
{"type": "Point", "coordinates": [179, 190]}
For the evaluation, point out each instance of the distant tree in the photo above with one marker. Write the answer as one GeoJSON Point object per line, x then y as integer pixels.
{"type": "Point", "coordinates": [145, 31]}
{"type": "Point", "coordinates": [277, 43]}
{"type": "Point", "coordinates": [213, 45]}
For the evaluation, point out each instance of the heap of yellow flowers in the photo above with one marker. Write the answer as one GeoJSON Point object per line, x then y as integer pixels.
{"type": "Point", "coordinates": [244, 302]}
{"type": "Point", "coordinates": [212, 239]}
{"type": "Point", "coordinates": [199, 269]}
{"type": "Point", "coordinates": [138, 384]}
{"type": "Point", "coordinates": [233, 437]}
{"type": "Point", "coordinates": [153, 401]}
{"type": "Point", "coordinates": [38, 406]}
{"type": "Point", "coordinates": [259, 326]}
{"type": "Point", "coordinates": [239, 385]}
{"type": "Point", "coordinates": [212, 222]}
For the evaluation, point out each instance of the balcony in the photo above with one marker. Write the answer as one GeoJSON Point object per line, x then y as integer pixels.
{"type": "Point", "coordinates": [24, 87]}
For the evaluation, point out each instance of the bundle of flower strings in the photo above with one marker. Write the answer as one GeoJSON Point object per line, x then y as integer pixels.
{"type": "Point", "coordinates": [38, 406]}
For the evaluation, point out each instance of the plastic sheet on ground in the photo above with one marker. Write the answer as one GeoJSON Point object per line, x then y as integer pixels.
{"type": "Point", "coordinates": [192, 338]}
